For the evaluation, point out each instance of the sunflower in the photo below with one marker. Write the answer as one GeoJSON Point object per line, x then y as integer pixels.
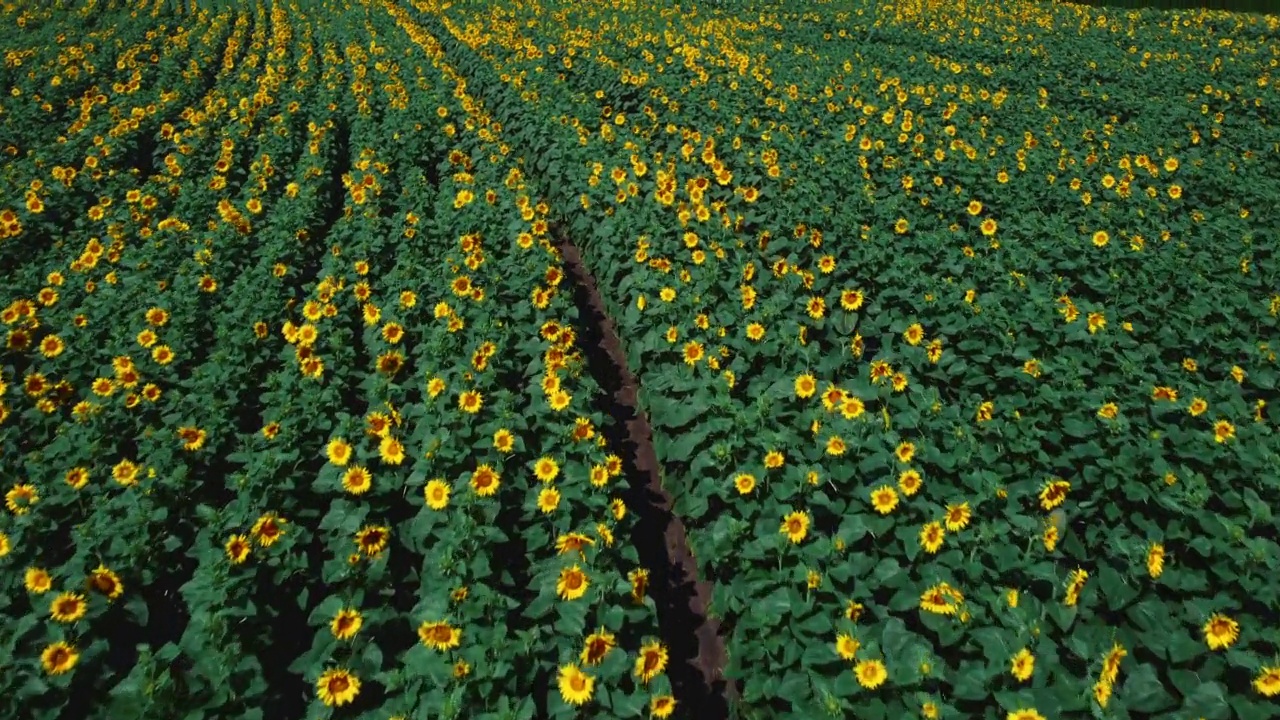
{"type": "Point", "coordinates": [1268, 681]}
{"type": "Point", "coordinates": [940, 600]}
{"type": "Point", "coordinates": [932, 536]}
{"type": "Point", "coordinates": [503, 441]}
{"type": "Point", "coordinates": [1197, 407]}
{"type": "Point", "coordinates": [337, 687]}
{"type": "Point", "coordinates": [975, 207]}
{"type": "Point", "coordinates": [346, 623]}
{"type": "Point", "coordinates": [871, 674]}
{"type": "Point", "coordinates": [105, 582]}
{"type": "Point", "coordinates": [639, 579]}
{"type": "Point", "coordinates": [572, 583]}
{"type": "Point", "coordinates": [36, 580]}
{"type": "Point", "coordinates": [650, 661]}
{"type": "Point", "coordinates": [470, 402]}
{"type": "Point", "coordinates": [1074, 585]}
{"type": "Point", "coordinates": [68, 607]}
{"type": "Point", "coordinates": [546, 469]}
{"type": "Point", "coordinates": [267, 529]}
{"type": "Point", "coordinates": [846, 646]}
{"type": "Point", "coordinates": [20, 498]}
{"type": "Point", "coordinates": [1111, 663]}
{"type": "Point", "coordinates": [1024, 714]}
{"type": "Point", "coordinates": [1054, 493]}
{"type": "Point", "coordinates": [1023, 665]}
{"type": "Point", "coordinates": [693, 352]}
{"type": "Point", "coordinates": [1223, 431]}
{"type": "Point", "coordinates": [338, 451]}
{"type": "Point", "coordinates": [192, 438]}
{"type": "Point", "coordinates": [391, 450]}
{"type": "Point", "coordinates": [852, 300]}
{"type": "Point", "coordinates": [548, 500]}
{"type": "Point", "coordinates": [237, 547]}
{"type": "Point", "coordinates": [988, 227]}
{"type": "Point", "coordinates": [795, 526]}
{"type": "Point", "coordinates": [1155, 560]}
{"type": "Point", "coordinates": [905, 451]}
{"type": "Point", "coordinates": [836, 445]}
{"type": "Point", "coordinates": [852, 407]}
{"type": "Point", "coordinates": [357, 480]}
{"type": "Point", "coordinates": [914, 334]}
{"type": "Point", "coordinates": [986, 411]}
{"type": "Point", "coordinates": [958, 516]}
{"type": "Point", "coordinates": [597, 646]}
{"type": "Point", "coordinates": [576, 687]}
{"type": "Point", "coordinates": [439, 635]}
{"type": "Point", "coordinates": [661, 706]}
{"type": "Point", "coordinates": [805, 386]}
{"type": "Point", "coordinates": [59, 658]}
{"type": "Point", "coordinates": [774, 459]}
{"type": "Point", "coordinates": [884, 499]}
{"type": "Point", "coordinates": [437, 494]}
{"type": "Point", "coordinates": [485, 480]}
{"type": "Point", "coordinates": [1220, 632]}
{"type": "Point", "coordinates": [372, 539]}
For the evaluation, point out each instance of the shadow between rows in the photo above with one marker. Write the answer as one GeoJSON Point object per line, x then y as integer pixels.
{"type": "Point", "coordinates": [697, 650]}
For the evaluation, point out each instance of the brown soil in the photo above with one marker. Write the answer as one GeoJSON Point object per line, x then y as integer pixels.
{"type": "Point", "coordinates": [698, 655]}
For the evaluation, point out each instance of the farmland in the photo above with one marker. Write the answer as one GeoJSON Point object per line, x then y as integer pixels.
{"type": "Point", "coordinates": [546, 359]}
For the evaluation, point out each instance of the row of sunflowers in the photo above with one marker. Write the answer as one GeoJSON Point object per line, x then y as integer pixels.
{"type": "Point", "coordinates": [294, 414]}
{"type": "Point", "coordinates": [956, 323]}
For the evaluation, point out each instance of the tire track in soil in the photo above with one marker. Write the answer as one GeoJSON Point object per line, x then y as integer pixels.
{"type": "Point", "coordinates": [697, 650]}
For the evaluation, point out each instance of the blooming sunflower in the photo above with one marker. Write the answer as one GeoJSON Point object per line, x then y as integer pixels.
{"type": "Point", "coordinates": [650, 661]}
{"type": "Point", "coordinates": [237, 547]}
{"type": "Point", "coordinates": [338, 451]}
{"type": "Point", "coordinates": [1220, 632]}
{"type": "Point", "coordinates": [958, 516]}
{"type": "Point", "coordinates": [1155, 560]}
{"type": "Point", "coordinates": [357, 480]}
{"type": "Point", "coordinates": [661, 706]}
{"type": "Point", "coordinates": [437, 494]}
{"type": "Point", "coordinates": [847, 646]}
{"type": "Point", "coordinates": [59, 658]}
{"type": "Point", "coordinates": [372, 539]}
{"type": "Point", "coordinates": [931, 537]}
{"type": "Point", "coordinates": [744, 483]}
{"type": "Point", "coordinates": [439, 635]}
{"type": "Point", "coordinates": [576, 687]}
{"type": "Point", "coordinates": [1023, 665]}
{"type": "Point", "coordinates": [572, 583]}
{"type": "Point", "coordinates": [548, 500]}
{"type": "Point", "coordinates": [871, 674]}
{"type": "Point", "coordinates": [337, 687]}
{"type": "Point", "coordinates": [597, 645]}
{"type": "Point", "coordinates": [805, 386]}
{"type": "Point", "coordinates": [1268, 681]}
{"type": "Point", "coordinates": [1054, 493]}
{"type": "Point", "coordinates": [68, 607]}
{"type": "Point", "coordinates": [485, 480]}
{"type": "Point", "coordinates": [884, 499]}
{"type": "Point", "coordinates": [346, 623]}
{"type": "Point", "coordinates": [36, 580]}
{"type": "Point", "coordinates": [795, 526]}
{"type": "Point", "coordinates": [267, 529]}
{"type": "Point", "coordinates": [104, 581]}
{"type": "Point", "coordinates": [546, 469]}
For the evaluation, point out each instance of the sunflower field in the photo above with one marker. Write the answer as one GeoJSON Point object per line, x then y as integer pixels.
{"type": "Point", "coordinates": [545, 359]}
